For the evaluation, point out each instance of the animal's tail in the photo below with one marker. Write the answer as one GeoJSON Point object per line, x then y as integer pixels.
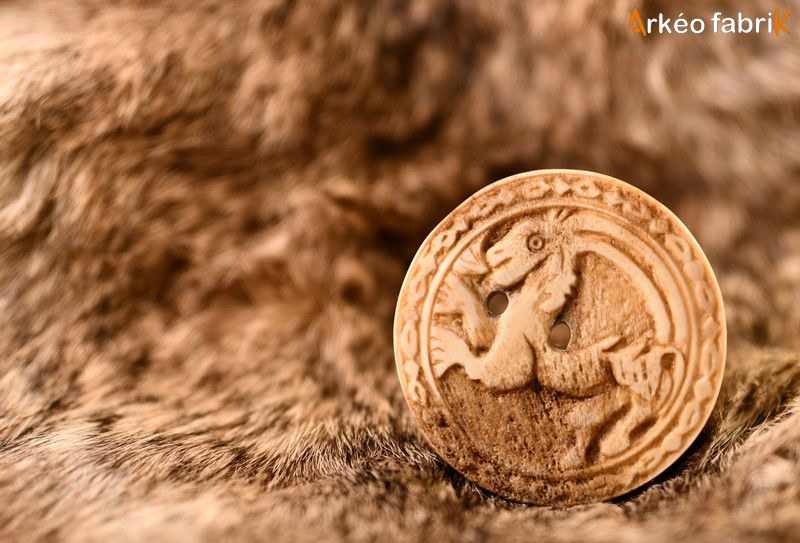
{"type": "Point", "coordinates": [671, 380]}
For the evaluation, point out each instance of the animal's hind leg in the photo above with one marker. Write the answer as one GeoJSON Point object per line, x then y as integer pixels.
{"type": "Point", "coordinates": [588, 419]}
{"type": "Point", "coordinates": [620, 438]}
{"type": "Point", "coordinates": [641, 413]}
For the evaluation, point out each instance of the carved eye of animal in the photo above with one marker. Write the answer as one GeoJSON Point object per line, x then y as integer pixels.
{"type": "Point", "coordinates": [535, 242]}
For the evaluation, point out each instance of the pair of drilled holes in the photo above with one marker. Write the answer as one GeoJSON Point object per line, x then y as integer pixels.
{"type": "Point", "coordinates": [560, 334]}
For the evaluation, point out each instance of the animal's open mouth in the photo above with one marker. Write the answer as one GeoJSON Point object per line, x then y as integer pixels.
{"type": "Point", "coordinates": [500, 262]}
{"type": "Point", "coordinates": [518, 280]}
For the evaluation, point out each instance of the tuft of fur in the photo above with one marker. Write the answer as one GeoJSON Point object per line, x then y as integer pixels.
{"type": "Point", "coordinates": [206, 212]}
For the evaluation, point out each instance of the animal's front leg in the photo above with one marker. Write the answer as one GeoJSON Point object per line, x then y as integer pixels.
{"type": "Point", "coordinates": [448, 350]}
{"type": "Point", "coordinates": [456, 297]}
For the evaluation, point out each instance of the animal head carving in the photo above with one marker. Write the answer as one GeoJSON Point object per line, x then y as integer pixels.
{"type": "Point", "coordinates": [529, 244]}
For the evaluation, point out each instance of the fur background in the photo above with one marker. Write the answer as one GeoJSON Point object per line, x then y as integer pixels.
{"type": "Point", "coordinates": [207, 208]}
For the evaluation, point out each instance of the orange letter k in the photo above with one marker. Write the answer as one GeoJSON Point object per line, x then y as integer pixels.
{"type": "Point", "coordinates": [779, 22]}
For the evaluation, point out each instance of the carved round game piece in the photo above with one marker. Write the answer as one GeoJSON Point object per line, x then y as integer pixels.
{"type": "Point", "coordinates": [560, 337]}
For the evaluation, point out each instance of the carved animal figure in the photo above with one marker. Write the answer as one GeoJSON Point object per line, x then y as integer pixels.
{"type": "Point", "coordinates": [535, 262]}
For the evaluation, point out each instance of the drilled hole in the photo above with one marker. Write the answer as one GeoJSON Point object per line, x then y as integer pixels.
{"type": "Point", "coordinates": [496, 303]}
{"type": "Point", "coordinates": [560, 334]}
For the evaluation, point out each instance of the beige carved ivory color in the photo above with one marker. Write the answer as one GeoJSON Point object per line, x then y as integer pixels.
{"type": "Point", "coordinates": [560, 424]}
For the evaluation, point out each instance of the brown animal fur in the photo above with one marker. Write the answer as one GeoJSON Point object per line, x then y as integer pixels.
{"type": "Point", "coordinates": [207, 208]}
